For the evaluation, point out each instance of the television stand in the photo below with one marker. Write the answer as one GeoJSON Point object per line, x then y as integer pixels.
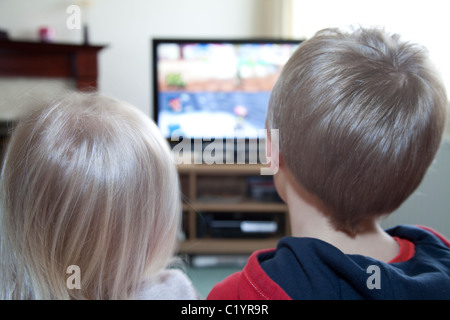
{"type": "Point", "coordinates": [229, 193]}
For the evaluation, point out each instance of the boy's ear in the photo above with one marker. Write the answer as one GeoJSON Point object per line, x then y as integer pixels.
{"type": "Point", "coordinates": [269, 149]}
{"type": "Point", "coordinates": [268, 145]}
{"type": "Point", "coordinates": [273, 156]}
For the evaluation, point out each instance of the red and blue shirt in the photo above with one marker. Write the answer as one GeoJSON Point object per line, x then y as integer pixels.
{"type": "Point", "coordinates": [308, 268]}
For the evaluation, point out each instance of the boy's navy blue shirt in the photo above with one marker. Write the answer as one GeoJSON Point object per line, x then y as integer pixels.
{"type": "Point", "coordinates": [308, 268]}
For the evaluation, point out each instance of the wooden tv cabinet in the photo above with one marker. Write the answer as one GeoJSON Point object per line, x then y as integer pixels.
{"type": "Point", "coordinates": [224, 189]}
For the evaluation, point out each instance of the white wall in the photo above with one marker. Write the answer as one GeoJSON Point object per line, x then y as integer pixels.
{"type": "Point", "coordinates": [421, 21]}
{"type": "Point", "coordinates": [126, 27]}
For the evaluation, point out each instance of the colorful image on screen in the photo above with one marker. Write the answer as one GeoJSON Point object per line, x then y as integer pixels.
{"type": "Point", "coordinates": [216, 90]}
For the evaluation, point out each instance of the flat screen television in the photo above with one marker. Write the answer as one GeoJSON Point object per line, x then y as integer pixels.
{"type": "Point", "coordinates": [210, 89]}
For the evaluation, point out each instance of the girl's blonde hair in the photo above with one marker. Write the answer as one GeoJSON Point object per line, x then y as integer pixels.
{"type": "Point", "coordinates": [87, 181]}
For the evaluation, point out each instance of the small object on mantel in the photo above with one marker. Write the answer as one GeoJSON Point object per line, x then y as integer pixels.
{"type": "Point", "coordinates": [3, 35]}
{"type": "Point", "coordinates": [47, 34]}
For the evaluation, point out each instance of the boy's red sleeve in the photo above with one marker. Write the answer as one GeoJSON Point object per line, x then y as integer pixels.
{"type": "Point", "coordinates": [252, 283]}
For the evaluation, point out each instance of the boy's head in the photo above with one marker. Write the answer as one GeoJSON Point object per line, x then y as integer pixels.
{"type": "Point", "coordinates": [360, 118]}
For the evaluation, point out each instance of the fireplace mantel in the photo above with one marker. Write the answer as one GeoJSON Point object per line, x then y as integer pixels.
{"type": "Point", "coordinates": [50, 60]}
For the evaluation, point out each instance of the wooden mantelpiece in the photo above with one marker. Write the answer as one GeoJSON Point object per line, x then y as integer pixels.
{"type": "Point", "coordinates": [50, 60]}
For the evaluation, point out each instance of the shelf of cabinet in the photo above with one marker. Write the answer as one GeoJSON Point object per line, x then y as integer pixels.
{"type": "Point", "coordinates": [226, 246]}
{"type": "Point", "coordinates": [248, 206]}
{"type": "Point", "coordinates": [235, 169]}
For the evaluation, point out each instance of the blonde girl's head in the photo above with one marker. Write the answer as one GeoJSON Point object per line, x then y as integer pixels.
{"type": "Point", "coordinates": [86, 181]}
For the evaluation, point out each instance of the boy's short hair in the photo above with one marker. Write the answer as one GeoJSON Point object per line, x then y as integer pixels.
{"type": "Point", "coordinates": [360, 117]}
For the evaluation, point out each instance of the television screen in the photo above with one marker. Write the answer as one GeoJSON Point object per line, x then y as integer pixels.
{"type": "Point", "coordinates": [215, 89]}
